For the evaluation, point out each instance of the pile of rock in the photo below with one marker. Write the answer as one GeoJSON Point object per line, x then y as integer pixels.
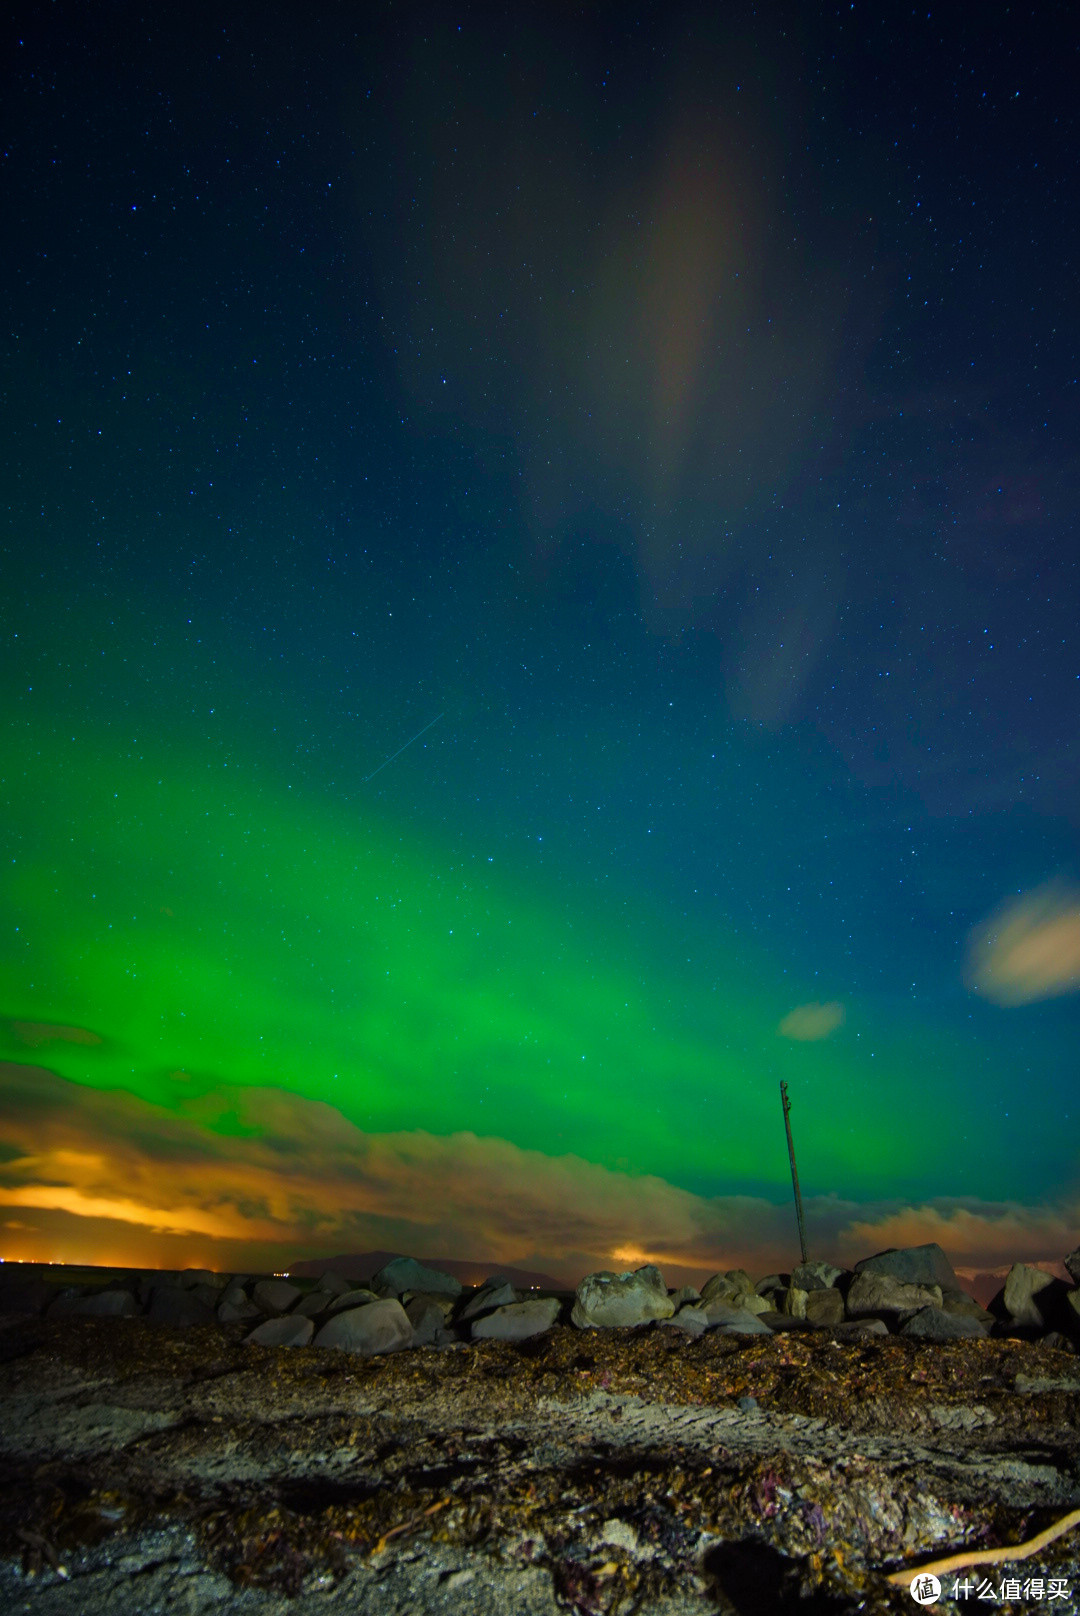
{"type": "Point", "coordinates": [912, 1292]}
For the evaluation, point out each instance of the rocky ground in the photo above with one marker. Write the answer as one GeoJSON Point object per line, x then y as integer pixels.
{"type": "Point", "coordinates": [647, 1469]}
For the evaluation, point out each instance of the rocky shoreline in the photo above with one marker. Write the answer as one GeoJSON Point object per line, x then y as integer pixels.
{"type": "Point", "coordinates": [195, 1442]}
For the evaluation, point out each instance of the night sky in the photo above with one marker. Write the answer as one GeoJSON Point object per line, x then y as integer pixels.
{"type": "Point", "coordinates": [539, 599]}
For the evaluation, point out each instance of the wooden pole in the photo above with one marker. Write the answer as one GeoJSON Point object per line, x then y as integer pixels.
{"type": "Point", "coordinates": [794, 1169]}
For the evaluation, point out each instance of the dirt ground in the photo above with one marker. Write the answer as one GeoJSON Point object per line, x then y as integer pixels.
{"type": "Point", "coordinates": [602, 1473]}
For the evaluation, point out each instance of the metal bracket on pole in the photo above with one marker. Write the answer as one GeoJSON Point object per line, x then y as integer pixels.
{"type": "Point", "coordinates": [794, 1169]}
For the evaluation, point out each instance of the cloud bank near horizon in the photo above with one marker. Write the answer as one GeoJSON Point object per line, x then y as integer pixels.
{"type": "Point", "coordinates": [261, 1178]}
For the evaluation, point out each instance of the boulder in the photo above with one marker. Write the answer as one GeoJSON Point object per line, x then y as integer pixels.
{"type": "Point", "coordinates": [815, 1276]}
{"type": "Point", "coordinates": [912, 1265]}
{"type": "Point", "coordinates": [24, 1293]}
{"type": "Point", "coordinates": [276, 1295]}
{"type": "Point", "coordinates": [728, 1287]}
{"type": "Point", "coordinates": [517, 1321]}
{"type": "Point", "coordinates": [685, 1293]}
{"type": "Point", "coordinates": [1072, 1266]}
{"type": "Point", "coordinates": [744, 1323]}
{"type": "Point", "coordinates": [445, 1304]}
{"type": "Point", "coordinates": [172, 1304]}
{"type": "Point", "coordinates": [309, 1306]}
{"type": "Point", "coordinates": [1017, 1296]}
{"type": "Point", "coordinates": [859, 1329]}
{"type": "Point", "coordinates": [428, 1322]}
{"type": "Point", "coordinates": [290, 1330]}
{"type": "Point", "coordinates": [790, 1300]}
{"type": "Point", "coordinates": [234, 1293]}
{"type": "Point", "coordinates": [406, 1274]}
{"type": "Point", "coordinates": [732, 1320]}
{"type": "Point", "coordinates": [688, 1318]}
{"type": "Point", "coordinates": [152, 1280]}
{"type": "Point", "coordinates": [965, 1306]}
{"type": "Point", "coordinates": [1072, 1304]}
{"type": "Point", "coordinates": [493, 1294]}
{"type": "Point", "coordinates": [739, 1278]}
{"type": "Point", "coordinates": [356, 1298]}
{"type": "Point", "coordinates": [110, 1304]}
{"type": "Point", "coordinates": [772, 1282]}
{"type": "Point", "coordinates": [190, 1277]}
{"type": "Point", "coordinates": [874, 1292]}
{"type": "Point", "coordinates": [236, 1312]}
{"type": "Point", "coordinates": [333, 1284]}
{"type": "Point", "coordinates": [934, 1324]}
{"type": "Point", "coordinates": [824, 1307]}
{"type": "Point", "coordinates": [607, 1300]}
{"type": "Point", "coordinates": [210, 1294]}
{"type": "Point", "coordinates": [381, 1326]}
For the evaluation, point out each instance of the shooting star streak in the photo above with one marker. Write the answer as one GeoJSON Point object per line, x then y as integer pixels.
{"type": "Point", "coordinates": [401, 749]}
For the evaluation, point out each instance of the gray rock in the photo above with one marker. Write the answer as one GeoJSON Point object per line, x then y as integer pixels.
{"type": "Point", "coordinates": [62, 1301]}
{"type": "Point", "coordinates": [824, 1308]}
{"type": "Point", "coordinates": [744, 1323]}
{"type": "Point", "coordinates": [381, 1326]}
{"type": "Point", "coordinates": [790, 1300]}
{"type": "Point", "coordinates": [311, 1305]}
{"type": "Point", "coordinates": [110, 1304]}
{"type": "Point", "coordinates": [210, 1294]}
{"type": "Point", "coordinates": [290, 1330]}
{"type": "Point", "coordinates": [95, 1304]}
{"type": "Point", "coordinates": [1072, 1303]}
{"type": "Point", "coordinates": [276, 1295]}
{"type": "Point", "coordinates": [151, 1282]}
{"type": "Point", "coordinates": [685, 1293]}
{"type": "Point", "coordinates": [772, 1282]}
{"type": "Point", "coordinates": [751, 1302]}
{"type": "Point", "coordinates": [934, 1324]}
{"type": "Point", "coordinates": [727, 1287]}
{"type": "Point", "coordinates": [729, 1319]}
{"type": "Point", "coordinates": [815, 1276]}
{"type": "Point", "coordinates": [236, 1312]}
{"type": "Point", "coordinates": [860, 1329]}
{"type": "Point", "coordinates": [517, 1321]}
{"type": "Point", "coordinates": [234, 1294]}
{"type": "Point", "coordinates": [739, 1278]}
{"type": "Point", "coordinates": [965, 1306]}
{"type": "Point", "coordinates": [406, 1274]}
{"type": "Point", "coordinates": [606, 1300]}
{"type": "Point", "coordinates": [912, 1265]}
{"type": "Point", "coordinates": [24, 1293]}
{"type": "Point", "coordinates": [445, 1304]}
{"type": "Point", "coordinates": [356, 1298]}
{"type": "Point", "coordinates": [172, 1304]}
{"type": "Point", "coordinates": [333, 1284]}
{"type": "Point", "coordinates": [428, 1322]}
{"type": "Point", "coordinates": [190, 1277]}
{"type": "Point", "coordinates": [1072, 1266]}
{"type": "Point", "coordinates": [688, 1318]}
{"type": "Point", "coordinates": [489, 1297]}
{"type": "Point", "coordinates": [748, 1405]}
{"type": "Point", "coordinates": [1019, 1292]}
{"type": "Point", "coordinates": [874, 1292]}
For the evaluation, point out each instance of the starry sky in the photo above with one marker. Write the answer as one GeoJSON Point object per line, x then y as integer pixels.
{"type": "Point", "coordinates": [539, 600]}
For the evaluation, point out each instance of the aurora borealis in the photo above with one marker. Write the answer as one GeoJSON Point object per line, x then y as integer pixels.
{"type": "Point", "coordinates": [658, 431]}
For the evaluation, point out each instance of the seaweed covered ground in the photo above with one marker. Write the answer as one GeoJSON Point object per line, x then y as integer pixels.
{"type": "Point", "coordinates": [598, 1471]}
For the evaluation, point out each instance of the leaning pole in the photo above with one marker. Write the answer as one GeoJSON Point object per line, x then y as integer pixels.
{"type": "Point", "coordinates": [794, 1169]}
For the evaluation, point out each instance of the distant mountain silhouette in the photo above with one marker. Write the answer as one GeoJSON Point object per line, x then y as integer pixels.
{"type": "Point", "coordinates": [984, 1283]}
{"type": "Point", "coordinates": [363, 1264]}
